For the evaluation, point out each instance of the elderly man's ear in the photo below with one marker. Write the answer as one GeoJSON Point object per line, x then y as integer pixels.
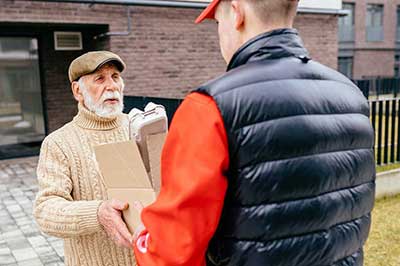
{"type": "Point", "coordinates": [77, 91]}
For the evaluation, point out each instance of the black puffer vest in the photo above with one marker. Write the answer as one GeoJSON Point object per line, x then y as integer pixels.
{"type": "Point", "coordinates": [301, 178]}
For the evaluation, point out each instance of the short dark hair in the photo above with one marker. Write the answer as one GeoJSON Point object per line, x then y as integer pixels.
{"type": "Point", "coordinates": [272, 10]}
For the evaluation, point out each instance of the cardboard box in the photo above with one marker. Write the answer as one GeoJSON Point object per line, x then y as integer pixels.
{"type": "Point", "coordinates": [125, 175]}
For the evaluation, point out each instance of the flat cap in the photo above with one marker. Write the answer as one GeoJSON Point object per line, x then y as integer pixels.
{"type": "Point", "coordinates": [91, 61]}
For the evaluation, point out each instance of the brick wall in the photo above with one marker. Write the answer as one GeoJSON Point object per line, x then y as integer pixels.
{"type": "Point", "coordinates": [167, 55]}
{"type": "Point", "coordinates": [370, 63]}
{"type": "Point", "coordinates": [319, 33]}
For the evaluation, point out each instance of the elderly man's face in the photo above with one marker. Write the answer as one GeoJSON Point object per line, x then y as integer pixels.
{"type": "Point", "coordinates": [102, 91]}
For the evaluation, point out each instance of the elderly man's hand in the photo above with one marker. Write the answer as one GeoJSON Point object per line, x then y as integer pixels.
{"type": "Point", "coordinates": [139, 208]}
{"type": "Point", "coordinates": [110, 217]}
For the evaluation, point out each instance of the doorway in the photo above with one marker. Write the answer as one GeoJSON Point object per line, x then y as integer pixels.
{"type": "Point", "coordinates": [22, 126]}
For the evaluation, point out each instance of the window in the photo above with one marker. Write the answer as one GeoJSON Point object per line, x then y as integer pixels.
{"type": "Point", "coordinates": [346, 66]}
{"type": "Point", "coordinates": [397, 65]}
{"type": "Point", "coordinates": [14, 45]}
{"type": "Point", "coordinates": [21, 109]}
{"type": "Point", "coordinates": [398, 24]}
{"type": "Point", "coordinates": [374, 23]}
{"type": "Point", "coordinates": [346, 24]}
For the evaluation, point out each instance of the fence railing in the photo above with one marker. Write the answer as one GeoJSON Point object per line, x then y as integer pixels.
{"type": "Point", "coordinates": [385, 117]}
{"type": "Point", "coordinates": [388, 87]}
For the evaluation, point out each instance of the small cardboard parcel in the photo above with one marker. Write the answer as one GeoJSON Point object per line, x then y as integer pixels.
{"type": "Point", "coordinates": [131, 169]}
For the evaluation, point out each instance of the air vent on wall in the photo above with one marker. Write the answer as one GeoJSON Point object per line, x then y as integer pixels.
{"type": "Point", "coordinates": [67, 40]}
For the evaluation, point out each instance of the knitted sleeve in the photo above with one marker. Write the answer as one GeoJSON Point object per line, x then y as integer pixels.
{"type": "Point", "coordinates": [55, 211]}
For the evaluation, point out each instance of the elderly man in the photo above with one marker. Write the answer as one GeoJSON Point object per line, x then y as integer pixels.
{"type": "Point", "coordinates": [270, 164]}
{"type": "Point", "coordinates": [72, 201]}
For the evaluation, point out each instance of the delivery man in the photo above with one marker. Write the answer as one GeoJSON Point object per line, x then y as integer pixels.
{"type": "Point", "coordinates": [270, 164]}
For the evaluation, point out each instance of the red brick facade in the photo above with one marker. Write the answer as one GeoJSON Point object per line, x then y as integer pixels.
{"type": "Point", "coordinates": [166, 53]}
{"type": "Point", "coordinates": [373, 63]}
{"type": "Point", "coordinates": [373, 59]}
{"type": "Point", "coordinates": [319, 33]}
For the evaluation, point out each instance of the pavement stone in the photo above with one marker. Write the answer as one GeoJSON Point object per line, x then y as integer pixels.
{"type": "Point", "coordinates": [24, 254]}
{"type": "Point", "coordinates": [32, 262]}
{"type": "Point", "coordinates": [37, 241]}
{"type": "Point", "coordinates": [17, 243]}
{"type": "Point", "coordinates": [49, 259]}
{"type": "Point", "coordinates": [21, 242]}
{"type": "Point", "coordinates": [5, 251]}
{"type": "Point", "coordinates": [6, 259]}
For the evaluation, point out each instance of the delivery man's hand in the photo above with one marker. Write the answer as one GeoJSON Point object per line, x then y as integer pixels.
{"type": "Point", "coordinates": [110, 217]}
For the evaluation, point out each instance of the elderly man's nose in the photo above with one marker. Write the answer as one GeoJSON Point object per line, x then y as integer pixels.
{"type": "Point", "coordinates": [112, 85]}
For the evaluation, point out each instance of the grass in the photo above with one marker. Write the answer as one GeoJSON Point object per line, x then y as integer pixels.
{"type": "Point", "coordinates": [387, 167]}
{"type": "Point", "coordinates": [383, 245]}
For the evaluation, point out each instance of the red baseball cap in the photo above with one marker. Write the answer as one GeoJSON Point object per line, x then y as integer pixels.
{"type": "Point", "coordinates": [208, 12]}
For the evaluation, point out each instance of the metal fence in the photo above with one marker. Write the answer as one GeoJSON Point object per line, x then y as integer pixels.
{"type": "Point", "coordinates": [388, 87]}
{"type": "Point", "coordinates": [385, 117]}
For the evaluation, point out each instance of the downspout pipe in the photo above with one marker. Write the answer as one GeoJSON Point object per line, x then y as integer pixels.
{"type": "Point", "coordinates": [118, 33]}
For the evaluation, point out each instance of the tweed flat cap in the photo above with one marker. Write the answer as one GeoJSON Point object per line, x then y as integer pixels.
{"type": "Point", "coordinates": [90, 62]}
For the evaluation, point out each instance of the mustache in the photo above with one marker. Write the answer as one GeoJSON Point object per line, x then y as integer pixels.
{"type": "Point", "coordinates": [111, 96]}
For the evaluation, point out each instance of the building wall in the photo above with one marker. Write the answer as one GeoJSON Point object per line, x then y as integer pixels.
{"type": "Point", "coordinates": [374, 58]}
{"type": "Point", "coordinates": [319, 33]}
{"type": "Point", "coordinates": [389, 24]}
{"type": "Point", "coordinates": [326, 4]}
{"type": "Point", "coordinates": [370, 63]}
{"type": "Point", "coordinates": [167, 55]}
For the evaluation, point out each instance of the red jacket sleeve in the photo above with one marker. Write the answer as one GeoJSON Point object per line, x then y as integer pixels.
{"type": "Point", "coordinates": [180, 224]}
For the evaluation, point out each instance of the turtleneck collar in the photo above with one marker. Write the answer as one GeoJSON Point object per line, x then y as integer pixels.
{"type": "Point", "coordinates": [89, 120]}
{"type": "Point", "coordinates": [269, 45]}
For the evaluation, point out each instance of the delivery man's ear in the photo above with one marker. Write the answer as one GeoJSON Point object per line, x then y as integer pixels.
{"type": "Point", "coordinates": [238, 12]}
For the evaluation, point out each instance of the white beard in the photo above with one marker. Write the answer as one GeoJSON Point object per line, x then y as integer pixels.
{"type": "Point", "coordinates": [101, 108]}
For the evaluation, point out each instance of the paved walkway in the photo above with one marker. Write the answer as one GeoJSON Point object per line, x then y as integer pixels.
{"type": "Point", "coordinates": [21, 242]}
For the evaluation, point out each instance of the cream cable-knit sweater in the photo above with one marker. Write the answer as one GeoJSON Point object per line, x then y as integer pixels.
{"type": "Point", "coordinates": [71, 189]}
